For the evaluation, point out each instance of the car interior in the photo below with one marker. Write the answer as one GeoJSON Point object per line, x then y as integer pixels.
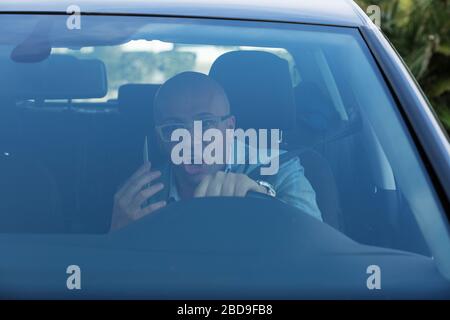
{"type": "Point", "coordinates": [66, 158]}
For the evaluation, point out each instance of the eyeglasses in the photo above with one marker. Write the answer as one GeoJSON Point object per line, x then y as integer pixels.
{"type": "Point", "coordinates": [165, 130]}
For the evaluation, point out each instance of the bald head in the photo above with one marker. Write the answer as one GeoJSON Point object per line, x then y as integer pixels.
{"type": "Point", "coordinates": [189, 94]}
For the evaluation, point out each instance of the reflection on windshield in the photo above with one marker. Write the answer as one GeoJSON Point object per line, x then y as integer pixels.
{"type": "Point", "coordinates": [120, 125]}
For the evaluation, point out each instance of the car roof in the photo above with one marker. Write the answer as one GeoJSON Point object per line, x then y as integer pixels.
{"type": "Point", "coordinates": [329, 12]}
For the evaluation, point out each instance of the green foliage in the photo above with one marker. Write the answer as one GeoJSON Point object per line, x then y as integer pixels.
{"type": "Point", "coordinates": [420, 31]}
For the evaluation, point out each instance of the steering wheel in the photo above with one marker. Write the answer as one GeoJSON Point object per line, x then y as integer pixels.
{"type": "Point", "coordinates": [257, 223]}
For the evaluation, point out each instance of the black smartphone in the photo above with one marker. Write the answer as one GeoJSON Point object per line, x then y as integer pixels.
{"type": "Point", "coordinates": [145, 153]}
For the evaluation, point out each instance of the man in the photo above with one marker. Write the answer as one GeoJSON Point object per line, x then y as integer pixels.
{"type": "Point", "coordinates": [180, 101]}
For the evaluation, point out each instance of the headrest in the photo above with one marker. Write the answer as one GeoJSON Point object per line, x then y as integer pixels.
{"type": "Point", "coordinates": [58, 77]}
{"type": "Point", "coordinates": [259, 87]}
{"type": "Point", "coordinates": [314, 107]}
{"type": "Point", "coordinates": [137, 99]}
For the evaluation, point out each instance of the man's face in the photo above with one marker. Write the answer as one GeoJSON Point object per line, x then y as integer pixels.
{"type": "Point", "coordinates": [181, 110]}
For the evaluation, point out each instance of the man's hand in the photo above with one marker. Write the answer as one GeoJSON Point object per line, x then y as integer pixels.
{"type": "Point", "coordinates": [129, 199]}
{"type": "Point", "coordinates": [227, 185]}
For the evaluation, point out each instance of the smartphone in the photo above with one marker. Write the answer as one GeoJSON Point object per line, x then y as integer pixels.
{"type": "Point", "coordinates": [146, 158]}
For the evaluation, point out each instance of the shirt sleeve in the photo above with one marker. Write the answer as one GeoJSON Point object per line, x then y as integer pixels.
{"type": "Point", "coordinates": [294, 188]}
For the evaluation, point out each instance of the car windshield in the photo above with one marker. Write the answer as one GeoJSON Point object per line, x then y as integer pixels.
{"type": "Point", "coordinates": [113, 120]}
